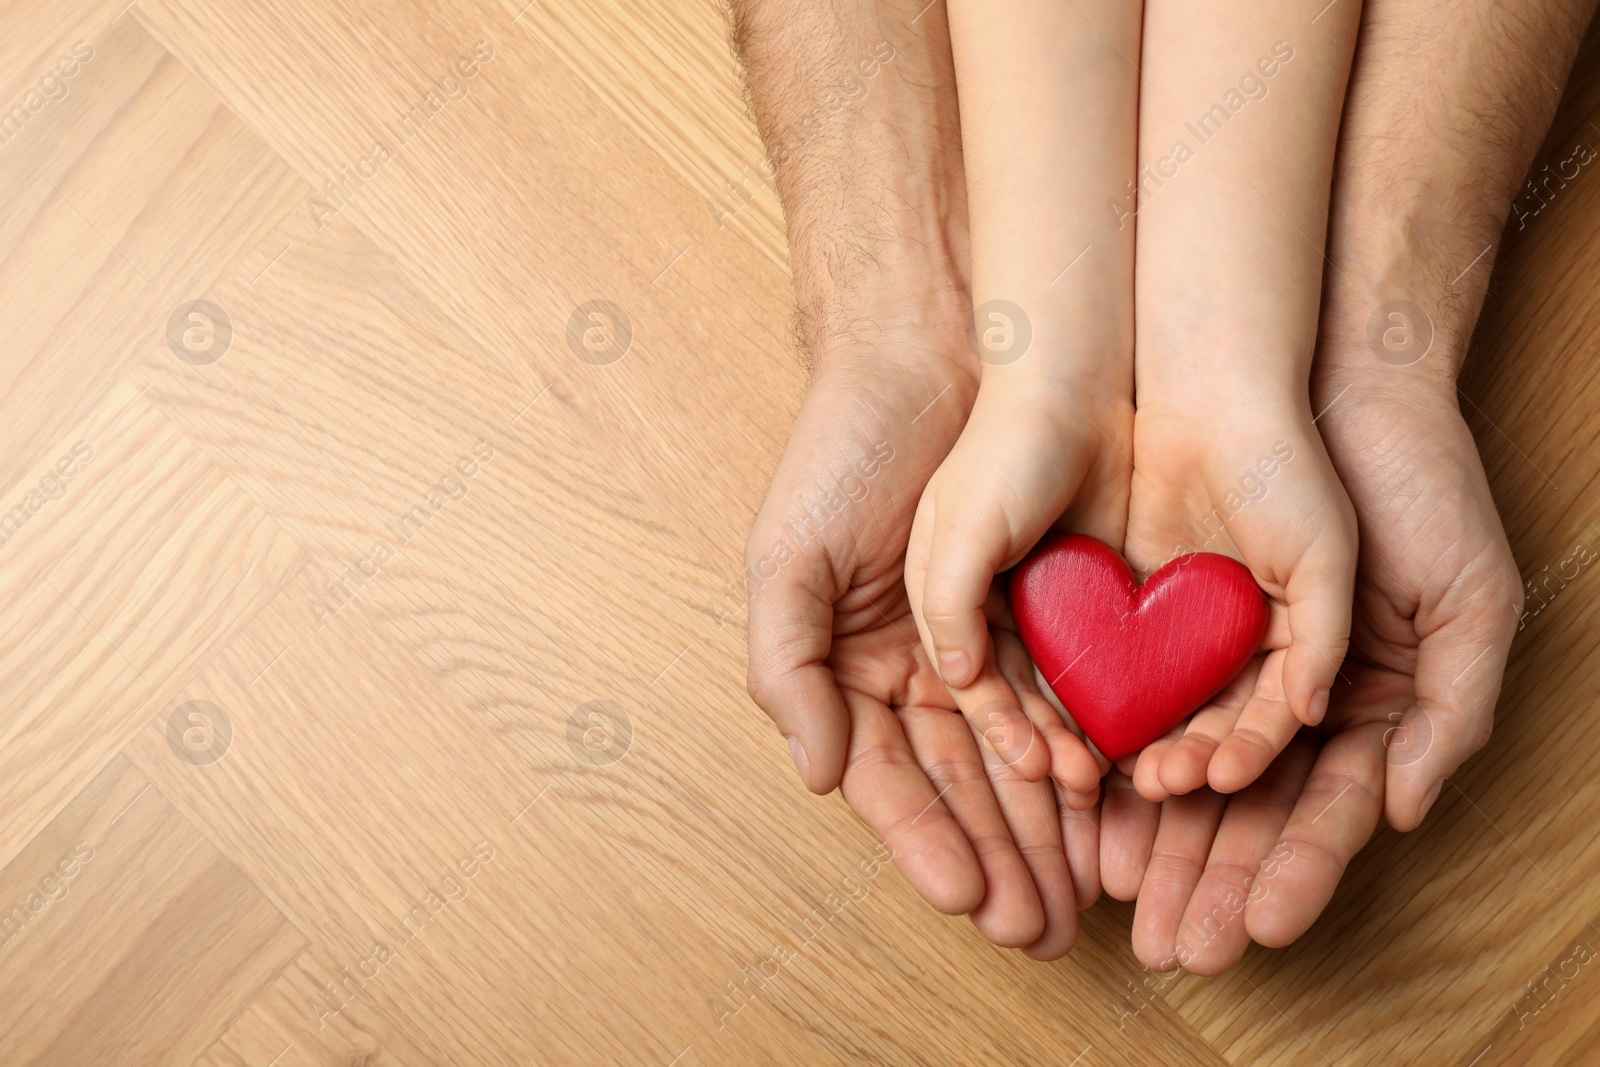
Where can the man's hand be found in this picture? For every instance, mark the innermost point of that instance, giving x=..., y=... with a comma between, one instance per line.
x=1437, y=601
x=874, y=200
x=1423, y=187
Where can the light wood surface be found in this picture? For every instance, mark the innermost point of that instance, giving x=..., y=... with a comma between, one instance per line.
x=373, y=693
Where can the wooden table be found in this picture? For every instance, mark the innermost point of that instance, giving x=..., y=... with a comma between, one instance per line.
x=371, y=632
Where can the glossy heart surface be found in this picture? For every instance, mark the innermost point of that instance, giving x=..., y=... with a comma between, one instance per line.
x=1130, y=661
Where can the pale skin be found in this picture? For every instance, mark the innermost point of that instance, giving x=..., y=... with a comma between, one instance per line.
x=1226, y=292
x=1242, y=113
x=1422, y=186
x=1049, y=104
x=876, y=210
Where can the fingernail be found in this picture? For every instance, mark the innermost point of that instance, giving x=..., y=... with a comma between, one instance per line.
x=802, y=762
x=1319, y=706
x=1427, y=801
x=954, y=667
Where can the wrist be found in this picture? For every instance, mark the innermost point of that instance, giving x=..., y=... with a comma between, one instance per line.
x=1056, y=414
x=1097, y=376
x=918, y=388
x=1406, y=298
x=1427, y=181
x=857, y=110
x=1080, y=334
x=877, y=313
x=1225, y=392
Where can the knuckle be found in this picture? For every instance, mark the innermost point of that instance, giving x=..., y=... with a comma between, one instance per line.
x=1505, y=587
x=907, y=823
x=1331, y=650
x=1254, y=739
x=1338, y=787
x=990, y=843
x=757, y=684
x=1173, y=870
x=1464, y=730
x=1484, y=589
x=1476, y=732
x=944, y=616
x=955, y=773
x=1313, y=853
x=880, y=754
x=1232, y=874
x=1040, y=854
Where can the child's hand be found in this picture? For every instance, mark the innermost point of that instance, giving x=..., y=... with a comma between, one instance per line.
x=1034, y=455
x=1232, y=206
x=1256, y=485
x=1049, y=97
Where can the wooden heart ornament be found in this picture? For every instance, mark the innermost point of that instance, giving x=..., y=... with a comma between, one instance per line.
x=1130, y=661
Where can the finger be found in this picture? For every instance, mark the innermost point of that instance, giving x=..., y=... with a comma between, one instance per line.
x=790, y=633
x=1033, y=817
x=1147, y=770
x=1181, y=765
x=1320, y=595
x=1071, y=762
x=1265, y=727
x=1242, y=865
x=1127, y=832
x=996, y=712
x=1183, y=841
x=1370, y=694
x=964, y=553
x=997, y=610
x=1010, y=912
x=1459, y=669
x=1080, y=839
x=887, y=788
x=1335, y=815
x=1040, y=686
x=1184, y=764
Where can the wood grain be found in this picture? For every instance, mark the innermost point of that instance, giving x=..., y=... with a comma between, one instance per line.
x=132, y=939
x=475, y=779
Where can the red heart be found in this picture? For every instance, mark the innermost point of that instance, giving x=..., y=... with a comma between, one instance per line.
x=1129, y=661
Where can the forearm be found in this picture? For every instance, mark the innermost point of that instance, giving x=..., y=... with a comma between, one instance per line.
x=1049, y=115
x=1440, y=129
x=1237, y=145
x=855, y=102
